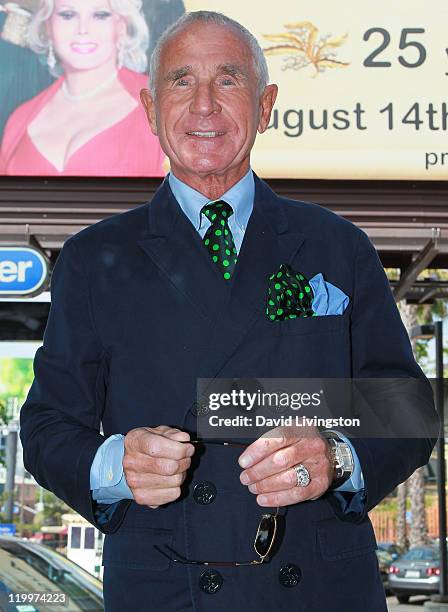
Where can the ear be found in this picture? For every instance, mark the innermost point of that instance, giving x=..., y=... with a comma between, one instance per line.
x=122, y=27
x=148, y=104
x=267, y=101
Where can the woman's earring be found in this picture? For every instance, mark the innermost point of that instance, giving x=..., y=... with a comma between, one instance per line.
x=51, y=58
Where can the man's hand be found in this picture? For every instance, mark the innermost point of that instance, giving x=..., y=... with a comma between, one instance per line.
x=155, y=463
x=270, y=461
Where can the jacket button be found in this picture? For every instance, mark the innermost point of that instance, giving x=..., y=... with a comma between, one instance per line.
x=210, y=581
x=200, y=409
x=289, y=575
x=204, y=492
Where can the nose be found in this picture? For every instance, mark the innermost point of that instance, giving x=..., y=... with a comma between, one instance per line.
x=82, y=24
x=204, y=100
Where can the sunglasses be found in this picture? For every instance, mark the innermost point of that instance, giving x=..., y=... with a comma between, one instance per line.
x=264, y=538
x=263, y=543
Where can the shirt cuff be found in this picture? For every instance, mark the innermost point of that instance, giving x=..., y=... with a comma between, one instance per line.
x=356, y=481
x=107, y=480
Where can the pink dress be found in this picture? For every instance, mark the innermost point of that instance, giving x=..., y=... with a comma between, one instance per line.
x=127, y=148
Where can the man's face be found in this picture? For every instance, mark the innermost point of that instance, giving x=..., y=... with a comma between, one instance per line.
x=208, y=107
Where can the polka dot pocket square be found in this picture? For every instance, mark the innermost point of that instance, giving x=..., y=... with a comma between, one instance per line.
x=292, y=295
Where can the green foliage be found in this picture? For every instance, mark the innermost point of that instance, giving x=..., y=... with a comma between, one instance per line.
x=53, y=510
x=389, y=503
x=4, y=420
x=4, y=416
x=27, y=529
x=16, y=377
x=3, y=497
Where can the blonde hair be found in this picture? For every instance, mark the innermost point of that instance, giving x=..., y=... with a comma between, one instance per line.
x=135, y=44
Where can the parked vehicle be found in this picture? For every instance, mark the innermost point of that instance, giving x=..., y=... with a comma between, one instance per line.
x=386, y=553
x=391, y=549
x=384, y=562
x=28, y=568
x=417, y=572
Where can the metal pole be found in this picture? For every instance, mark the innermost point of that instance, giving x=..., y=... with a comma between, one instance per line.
x=11, y=454
x=441, y=472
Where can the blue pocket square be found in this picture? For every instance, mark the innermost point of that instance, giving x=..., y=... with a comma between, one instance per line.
x=328, y=299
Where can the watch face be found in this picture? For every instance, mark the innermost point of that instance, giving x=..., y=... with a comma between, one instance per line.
x=344, y=456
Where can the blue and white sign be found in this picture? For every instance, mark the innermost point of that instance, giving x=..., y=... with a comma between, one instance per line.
x=7, y=529
x=23, y=270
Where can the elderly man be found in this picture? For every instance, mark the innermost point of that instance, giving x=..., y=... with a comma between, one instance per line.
x=147, y=302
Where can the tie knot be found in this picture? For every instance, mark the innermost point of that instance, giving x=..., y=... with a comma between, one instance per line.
x=217, y=210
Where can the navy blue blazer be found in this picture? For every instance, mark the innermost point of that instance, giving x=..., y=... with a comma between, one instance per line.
x=138, y=313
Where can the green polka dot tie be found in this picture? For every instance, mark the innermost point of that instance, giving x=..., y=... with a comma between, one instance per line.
x=289, y=295
x=218, y=239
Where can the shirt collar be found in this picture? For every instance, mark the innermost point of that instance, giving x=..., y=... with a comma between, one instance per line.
x=240, y=197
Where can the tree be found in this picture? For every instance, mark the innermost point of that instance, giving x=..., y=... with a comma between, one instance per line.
x=53, y=510
x=415, y=314
x=401, y=535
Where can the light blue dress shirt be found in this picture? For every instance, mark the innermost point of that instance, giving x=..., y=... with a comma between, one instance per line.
x=107, y=479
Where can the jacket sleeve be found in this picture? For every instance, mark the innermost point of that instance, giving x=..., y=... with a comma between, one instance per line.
x=60, y=419
x=381, y=349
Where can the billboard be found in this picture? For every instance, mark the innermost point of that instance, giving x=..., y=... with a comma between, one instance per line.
x=70, y=79
x=361, y=91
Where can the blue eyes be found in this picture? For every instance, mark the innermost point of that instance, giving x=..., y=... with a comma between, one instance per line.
x=68, y=15
x=102, y=14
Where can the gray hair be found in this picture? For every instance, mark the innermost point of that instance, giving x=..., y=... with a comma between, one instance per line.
x=205, y=17
x=135, y=44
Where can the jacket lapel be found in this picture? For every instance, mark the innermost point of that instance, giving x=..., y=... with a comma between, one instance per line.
x=176, y=248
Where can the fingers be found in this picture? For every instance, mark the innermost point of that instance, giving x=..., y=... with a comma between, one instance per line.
x=264, y=446
x=284, y=480
x=138, y=480
x=165, y=443
x=155, y=463
x=143, y=464
x=273, y=440
x=273, y=478
x=179, y=435
x=306, y=449
x=156, y=497
x=315, y=489
x=162, y=441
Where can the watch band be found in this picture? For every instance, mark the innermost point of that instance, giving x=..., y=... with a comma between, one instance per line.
x=341, y=453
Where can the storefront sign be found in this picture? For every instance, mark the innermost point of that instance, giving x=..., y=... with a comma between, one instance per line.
x=23, y=271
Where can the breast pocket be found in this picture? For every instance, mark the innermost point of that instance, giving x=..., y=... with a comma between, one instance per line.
x=133, y=548
x=313, y=325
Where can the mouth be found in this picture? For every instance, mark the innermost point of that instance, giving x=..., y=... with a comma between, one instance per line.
x=84, y=48
x=211, y=134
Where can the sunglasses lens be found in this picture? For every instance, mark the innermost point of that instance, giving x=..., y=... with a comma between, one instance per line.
x=265, y=535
